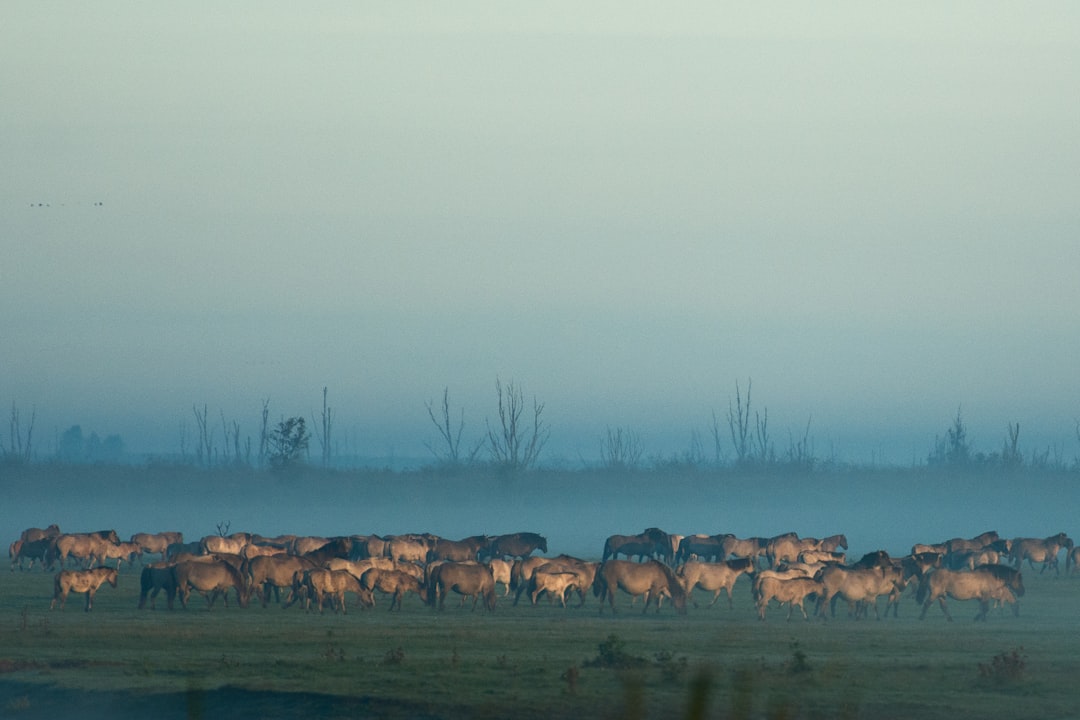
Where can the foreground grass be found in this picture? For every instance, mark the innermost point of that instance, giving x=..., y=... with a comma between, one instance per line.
x=537, y=662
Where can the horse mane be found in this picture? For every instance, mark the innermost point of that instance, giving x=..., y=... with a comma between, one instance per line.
x=740, y=563
x=674, y=585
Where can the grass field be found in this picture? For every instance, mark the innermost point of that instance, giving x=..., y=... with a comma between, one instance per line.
x=527, y=662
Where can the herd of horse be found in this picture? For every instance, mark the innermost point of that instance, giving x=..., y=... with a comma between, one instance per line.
x=316, y=572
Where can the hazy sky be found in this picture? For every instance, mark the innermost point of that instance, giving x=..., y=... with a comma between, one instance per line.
x=869, y=209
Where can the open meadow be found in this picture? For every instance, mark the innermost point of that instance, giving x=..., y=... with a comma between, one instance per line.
x=531, y=662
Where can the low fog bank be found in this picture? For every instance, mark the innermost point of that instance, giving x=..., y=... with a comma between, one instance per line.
x=576, y=511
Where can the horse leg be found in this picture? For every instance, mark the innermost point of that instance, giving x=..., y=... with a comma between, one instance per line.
x=945, y=609
x=984, y=608
x=89, y=599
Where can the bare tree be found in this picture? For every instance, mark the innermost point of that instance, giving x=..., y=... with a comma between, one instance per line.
x=450, y=435
x=1010, y=451
x=21, y=450
x=511, y=444
x=621, y=449
x=800, y=453
x=766, y=451
x=739, y=424
x=323, y=429
x=205, y=448
x=264, y=433
x=718, y=447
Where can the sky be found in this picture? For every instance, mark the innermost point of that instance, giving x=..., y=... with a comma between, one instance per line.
x=867, y=211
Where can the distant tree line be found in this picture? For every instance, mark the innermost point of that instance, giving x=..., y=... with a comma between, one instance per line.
x=512, y=441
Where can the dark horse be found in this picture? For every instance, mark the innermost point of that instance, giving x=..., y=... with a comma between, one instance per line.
x=517, y=545
x=654, y=542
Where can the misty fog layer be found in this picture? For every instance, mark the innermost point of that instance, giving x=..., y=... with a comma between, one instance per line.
x=887, y=510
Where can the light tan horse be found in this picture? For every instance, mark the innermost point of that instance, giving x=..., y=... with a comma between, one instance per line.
x=984, y=583
x=500, y=570
x=553, y=579
x=81, y=581
x=120, y=552
x=858, y=586
x=321, y=584
x=713, y=577
x=652, y=579
x=80, y=546
x=157, y=542
x=392, y=582
x=792, y=591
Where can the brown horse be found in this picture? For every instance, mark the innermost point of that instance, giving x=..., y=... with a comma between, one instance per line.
x=82, y=581
x=154, y=578
x=466, y=579
x=984, y=583
x=32, y=550
x=714, y=577
x=392, y=582
x=458, y=550
x=210, y=579
x=703, y=547
x=1043, y=551
x=753, y=548
x=517, y=545
x=32, y=534
x=652, y=579
x=650, y=544
x=270, y=573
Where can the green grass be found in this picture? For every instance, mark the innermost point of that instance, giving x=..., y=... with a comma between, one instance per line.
x=538, y=662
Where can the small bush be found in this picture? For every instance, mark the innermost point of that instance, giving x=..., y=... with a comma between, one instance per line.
x=611, y=654
x=394, y=657
x=1005, y=667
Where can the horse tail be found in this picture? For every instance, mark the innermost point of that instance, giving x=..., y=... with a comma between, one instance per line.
x=599, y=587
x=608, y=552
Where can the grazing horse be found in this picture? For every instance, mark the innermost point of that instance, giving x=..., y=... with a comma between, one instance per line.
x=391, y=582
x=984, y=583
x=211, y=579
x=321, y=583
x=517, y=545
x=652, y=579
x=82, y=581
x=409, y=548
x=1043, y=551
x=714, y=577
x=466, y=579
x=646, y=546
x=792, y=591
x=554, y=579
